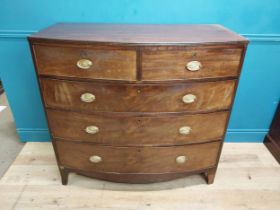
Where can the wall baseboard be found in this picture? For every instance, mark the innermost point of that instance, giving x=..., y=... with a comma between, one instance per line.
x=33, y=135
x=245, y=135
x=233, y=135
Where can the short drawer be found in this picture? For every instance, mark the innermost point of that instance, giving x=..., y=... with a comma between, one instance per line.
x=85, y=62
x=137, y=130
x=200, y=63
x=184, y=97
x=93, y=158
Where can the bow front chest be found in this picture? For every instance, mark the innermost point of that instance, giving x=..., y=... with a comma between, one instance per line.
x=137, y=103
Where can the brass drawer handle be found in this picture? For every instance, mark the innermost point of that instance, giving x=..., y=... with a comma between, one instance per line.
x=189, y=98
x=181, y=159
x=185, y=130
x=87, y=97
x=92, y=129
x=95, y=159
x=193, y=66
x=84, y=63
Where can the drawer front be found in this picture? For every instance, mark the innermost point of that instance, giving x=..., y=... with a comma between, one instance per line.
x=86, y=63
x=124, y=130
x=191, y=97
x=190, y=64
x=93, y=158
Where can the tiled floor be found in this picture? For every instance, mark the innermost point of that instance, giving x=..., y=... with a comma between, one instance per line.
x=9, y=142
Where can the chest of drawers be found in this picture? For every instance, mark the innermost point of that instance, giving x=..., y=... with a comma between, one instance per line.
x=137, y=103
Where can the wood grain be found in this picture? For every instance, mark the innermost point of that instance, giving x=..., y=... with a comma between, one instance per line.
x=171, y=64
x=138, y=79
x=106, y=64
x=136, y=130
x=172, y=34
x=137, y=159
x=137, y=98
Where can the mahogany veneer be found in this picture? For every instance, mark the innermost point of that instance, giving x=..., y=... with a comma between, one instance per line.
x=210, y=96
x=163, y=65
x=107, y=64
x=117, y=129
x=137, y=103
x=137, y=159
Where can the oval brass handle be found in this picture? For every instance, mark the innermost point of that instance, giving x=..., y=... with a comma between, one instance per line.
x=92, y=129
x=193, y=66
x=87, y=97
x=189, y=98
x=185, y=130
x=95, y=159
x=84, y=63
x=181, y=159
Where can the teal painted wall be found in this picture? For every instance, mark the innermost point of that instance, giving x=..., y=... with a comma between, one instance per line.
x=259, y=21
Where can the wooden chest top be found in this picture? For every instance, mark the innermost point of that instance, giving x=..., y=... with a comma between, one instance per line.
x=135, y=34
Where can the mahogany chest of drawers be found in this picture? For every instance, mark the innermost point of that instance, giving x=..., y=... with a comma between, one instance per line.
x=137, y=103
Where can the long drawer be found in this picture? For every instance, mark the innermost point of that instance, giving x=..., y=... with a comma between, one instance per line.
x=104, y=97
x=137, y=130
x=190, y=63
x=92, y=158
x=93, y=63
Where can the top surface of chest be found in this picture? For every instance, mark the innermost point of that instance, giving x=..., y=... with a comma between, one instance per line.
x=138, y=34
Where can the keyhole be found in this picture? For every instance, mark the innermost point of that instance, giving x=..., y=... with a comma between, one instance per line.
x=139, y=123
